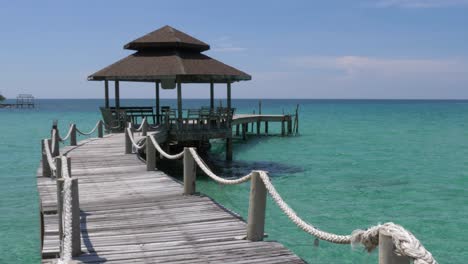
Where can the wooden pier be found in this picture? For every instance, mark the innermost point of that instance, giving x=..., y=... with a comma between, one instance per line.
x=131, y=215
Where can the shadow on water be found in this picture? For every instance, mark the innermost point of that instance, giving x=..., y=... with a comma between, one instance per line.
x=230, y=169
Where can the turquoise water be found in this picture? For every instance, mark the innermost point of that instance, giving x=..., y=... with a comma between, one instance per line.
x=355, y=164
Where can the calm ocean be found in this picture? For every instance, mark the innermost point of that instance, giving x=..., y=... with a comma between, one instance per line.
x=355, y=164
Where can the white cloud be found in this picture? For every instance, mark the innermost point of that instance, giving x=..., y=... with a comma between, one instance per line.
x=225, y=44
x=419, y=3
x=358, y=66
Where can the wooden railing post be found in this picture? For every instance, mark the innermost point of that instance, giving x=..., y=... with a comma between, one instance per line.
x=144, y=129
x=257, y=205
x=128, y=142
x=387, y=251
x=56, y=151
x=100, y=129
x=76, y=231
x=150, y=155
x=46, y=171
x=58, y=166
x=73, y=135
x=59, y=183
x=190, y=173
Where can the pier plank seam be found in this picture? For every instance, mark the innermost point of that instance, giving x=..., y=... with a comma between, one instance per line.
x=129, y=214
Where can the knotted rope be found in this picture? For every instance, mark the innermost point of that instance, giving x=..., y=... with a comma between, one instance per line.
x=90, y=132
x=165, y=154
x=66, y=252
x=135, y=145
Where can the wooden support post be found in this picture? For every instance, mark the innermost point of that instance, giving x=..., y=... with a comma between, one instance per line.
x=283, y=130
x=257, y=206
x=211, y=95
x=244, y=131
x=150, y=155
x=46, y=171
x=289, y=125
x=117, y=96
x=128, y=142
x=237, y=130
x=100, y=129
x=266, y=128
x=58, y=166
x=59, y=183
x=75, y=210
x=229, y=148
x=73, y=135
x=190, y=173
x=144, y=129
x=258, y=127
x=106, y=93
x=179, y=103
x=387, y=251
x=158, y=115
x=56, y=151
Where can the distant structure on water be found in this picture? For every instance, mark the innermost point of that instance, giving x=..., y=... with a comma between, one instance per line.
x=22, y=101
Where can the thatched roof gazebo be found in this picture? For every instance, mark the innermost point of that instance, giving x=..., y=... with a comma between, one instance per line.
x=169, y=57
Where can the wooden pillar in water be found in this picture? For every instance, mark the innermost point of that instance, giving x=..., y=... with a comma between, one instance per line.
x=237, y=130
x=283, y=130
x=244, y=131
x=289, y=125
x=158, y=118
x=229, y=148
x=228, y=123
x=266, y=128
x=257, y=206
x=106, y=93
x=258, y=127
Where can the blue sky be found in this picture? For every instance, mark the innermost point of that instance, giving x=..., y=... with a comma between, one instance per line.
x=293, y=49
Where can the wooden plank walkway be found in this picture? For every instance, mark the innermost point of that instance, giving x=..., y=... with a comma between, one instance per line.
x=130, y=215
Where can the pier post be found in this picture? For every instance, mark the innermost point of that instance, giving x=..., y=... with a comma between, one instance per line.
x=387, y=251
x=289, y=125
x=237, y=130
x=258, y=127
x=257, y=205
x=55, y=138
x=59, y=183
x=244, y=131
x=283, y=130
x=76, y=232
x=46, y=171
x=190, y=173
x=150, y=155
x=266, y=128
x=73, y=135
x=128, y=143
x=58, y=166
x=100, y=129
x=144, y=129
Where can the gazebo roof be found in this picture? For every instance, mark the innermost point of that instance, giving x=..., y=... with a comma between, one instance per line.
x=167, y=37
x=168, y=53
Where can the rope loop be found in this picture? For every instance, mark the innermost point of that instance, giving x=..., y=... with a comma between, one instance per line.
x=135, y=145
x=90, y=132
x=165, y=154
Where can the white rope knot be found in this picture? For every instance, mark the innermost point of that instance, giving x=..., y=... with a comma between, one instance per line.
x=406, y=244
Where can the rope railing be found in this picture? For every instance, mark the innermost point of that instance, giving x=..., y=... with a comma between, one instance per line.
x=129, y=135
x=162, y=152
x=91, y=131
x=404, y=245
x=69, y=133
x=66, y=247
x=143, y=123
x=48, y=156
